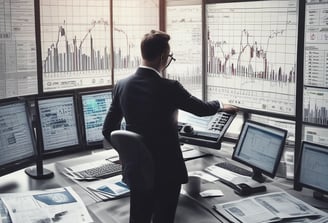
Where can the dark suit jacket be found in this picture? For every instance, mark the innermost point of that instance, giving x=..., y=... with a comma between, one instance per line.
x=149, y=104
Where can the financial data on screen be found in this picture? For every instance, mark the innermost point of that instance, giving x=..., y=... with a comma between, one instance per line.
x=18, y=66
x=131, y=20
x=184, y=24
x=95, y=107
x=251, y=57
x=315, y=134
x=58, y=123
x=75, y=39
x=262, y=151
x=16, y=134
x=315, y=99
x=260, y=146
x=313, y=166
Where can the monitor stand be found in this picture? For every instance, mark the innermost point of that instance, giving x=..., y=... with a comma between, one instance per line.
x=38, y=172
x=320, y=196
x=257, y=176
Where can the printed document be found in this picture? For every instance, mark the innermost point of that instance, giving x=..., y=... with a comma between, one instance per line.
x=271, y=207
x=56, y=205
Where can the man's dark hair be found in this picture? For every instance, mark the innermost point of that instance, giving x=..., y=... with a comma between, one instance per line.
x=154, y=44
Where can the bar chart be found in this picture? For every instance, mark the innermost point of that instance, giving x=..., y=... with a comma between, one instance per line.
x=75, y=43
x=315, y=104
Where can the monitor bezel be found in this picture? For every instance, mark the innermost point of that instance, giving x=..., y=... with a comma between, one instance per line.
x=26, y=161
x=60, y=150
x=257, y=169
x=297, y=180
x=95, y=144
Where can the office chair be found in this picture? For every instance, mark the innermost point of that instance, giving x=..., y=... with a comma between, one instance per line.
x=137, y=162
x=138, y=172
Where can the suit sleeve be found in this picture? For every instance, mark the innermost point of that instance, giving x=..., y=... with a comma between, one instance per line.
x=114, y=115
x=192, y=104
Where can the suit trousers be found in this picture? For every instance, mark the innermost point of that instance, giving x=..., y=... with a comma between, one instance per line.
x=156, y=206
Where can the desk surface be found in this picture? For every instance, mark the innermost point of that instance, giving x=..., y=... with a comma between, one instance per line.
x=190, y=208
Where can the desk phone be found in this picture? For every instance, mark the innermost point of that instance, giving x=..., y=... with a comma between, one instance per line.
x=204, y=131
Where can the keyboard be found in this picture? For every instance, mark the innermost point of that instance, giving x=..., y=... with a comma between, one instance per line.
x=234, y=168
x=228, y=177
x=221, y=173
x=96, y=169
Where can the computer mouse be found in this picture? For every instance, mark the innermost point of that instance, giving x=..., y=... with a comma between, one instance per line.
x=243, y=189
x=188, y=129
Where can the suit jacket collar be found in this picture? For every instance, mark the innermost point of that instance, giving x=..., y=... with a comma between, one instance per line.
x=151, y=70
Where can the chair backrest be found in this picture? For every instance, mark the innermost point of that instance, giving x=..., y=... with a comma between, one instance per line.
x=137, y=162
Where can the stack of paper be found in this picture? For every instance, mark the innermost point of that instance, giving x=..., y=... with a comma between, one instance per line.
x=55, y=205
x=109, y=188
x=271, y=207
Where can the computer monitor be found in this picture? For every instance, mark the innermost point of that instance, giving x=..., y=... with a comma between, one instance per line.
x=58, y=124
x=95, y=105
x=260, y=147
x=312, y=169
x=17, y=139
x=206, y=131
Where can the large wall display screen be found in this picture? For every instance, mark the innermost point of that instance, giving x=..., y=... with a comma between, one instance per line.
x=75, y=39
x=252, y=54
x=18, y=71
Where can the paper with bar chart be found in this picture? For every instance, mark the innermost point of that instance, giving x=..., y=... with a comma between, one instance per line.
x=252, y=54
x=75, y=38
x=18, y=71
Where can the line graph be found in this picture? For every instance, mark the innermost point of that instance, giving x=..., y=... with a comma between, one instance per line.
x=252, y=54
x=75, y=44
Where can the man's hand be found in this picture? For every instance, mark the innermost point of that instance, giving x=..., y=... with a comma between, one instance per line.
x=230, y=108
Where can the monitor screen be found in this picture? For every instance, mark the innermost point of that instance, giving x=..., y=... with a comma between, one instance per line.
x=17, y=140
x=313, y=166
x=204, y=131
x=95, y=106
x=58, y=123
x=260, y=147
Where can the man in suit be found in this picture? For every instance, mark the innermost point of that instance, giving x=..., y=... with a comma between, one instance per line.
x=149, y=103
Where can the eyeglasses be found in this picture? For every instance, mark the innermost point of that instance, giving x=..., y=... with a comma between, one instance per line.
x=171, y=58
